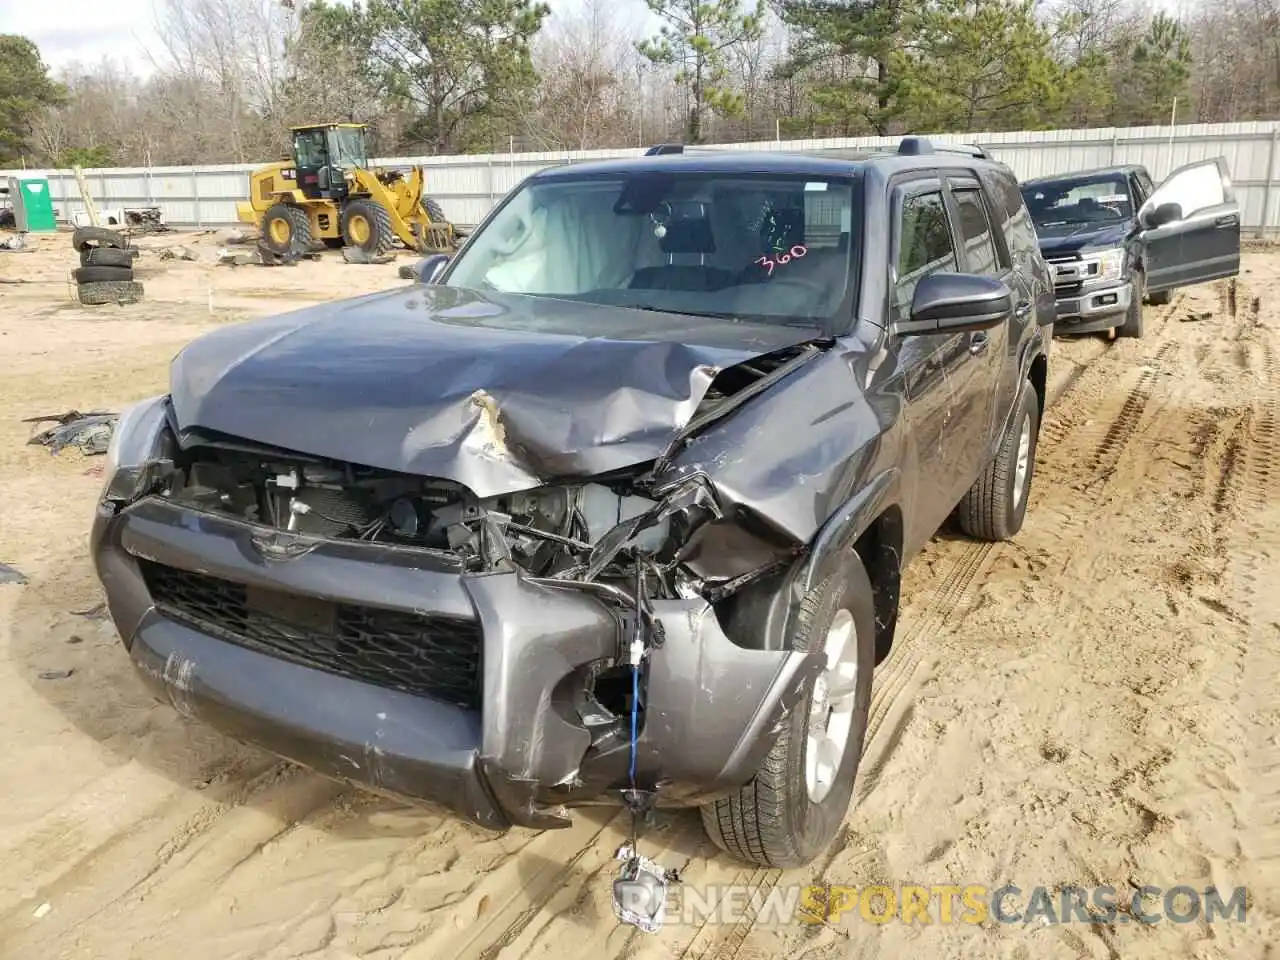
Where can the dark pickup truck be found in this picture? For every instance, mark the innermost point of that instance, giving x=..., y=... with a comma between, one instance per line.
x=614, y=507
x=1114, y=239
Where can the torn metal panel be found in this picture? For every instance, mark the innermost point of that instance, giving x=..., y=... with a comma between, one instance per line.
x=713, y=708
x=795, y=458
x=418, y=380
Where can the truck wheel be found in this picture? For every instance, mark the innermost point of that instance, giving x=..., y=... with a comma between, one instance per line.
x=96, y=274
x=97, y=237
x=286, y=230
x=109, y=291
x=1132, y=326
x=994, y=507
x=108, y=257
x=367, y=225
x=790, y=811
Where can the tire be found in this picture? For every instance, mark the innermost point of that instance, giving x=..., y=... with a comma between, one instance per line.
x=103, y=274
x=995, y=506
x=286, y=230
x=1160, y=299
x=1132, y=326
x=367, y=225
x=434, y=211
x=98, y=237
x=108, y=257
x=96, y=294
x=773, y=821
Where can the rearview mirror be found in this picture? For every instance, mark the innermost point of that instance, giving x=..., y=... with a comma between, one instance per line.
x=956, y=302
x=1153, y=217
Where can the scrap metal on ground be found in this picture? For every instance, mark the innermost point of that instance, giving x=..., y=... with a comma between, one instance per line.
x=91, y=432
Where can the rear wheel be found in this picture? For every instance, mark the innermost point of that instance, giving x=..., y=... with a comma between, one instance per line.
x=995, y=506
x=790, y=811
x=367, y=225
x=286, y=230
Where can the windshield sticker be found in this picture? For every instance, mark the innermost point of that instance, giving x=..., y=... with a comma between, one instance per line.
x=795, y=253
x=815, y=185
x=1114, y=198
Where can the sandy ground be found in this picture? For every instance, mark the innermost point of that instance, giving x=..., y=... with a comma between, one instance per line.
x=1093, y=703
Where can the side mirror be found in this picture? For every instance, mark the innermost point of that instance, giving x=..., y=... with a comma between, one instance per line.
x=1152, y=217
x=957, y=302
x=427, y=269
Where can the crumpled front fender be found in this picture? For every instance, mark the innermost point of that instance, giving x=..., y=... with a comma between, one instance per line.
x=714, y=709
x=534, y=636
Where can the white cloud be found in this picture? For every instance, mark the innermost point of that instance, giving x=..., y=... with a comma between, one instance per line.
x=67, y=31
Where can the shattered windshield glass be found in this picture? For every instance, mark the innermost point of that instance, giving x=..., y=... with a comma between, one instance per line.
x=1082, y=200
x=768, y=248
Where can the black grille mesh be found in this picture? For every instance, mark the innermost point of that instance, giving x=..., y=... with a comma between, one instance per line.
x=424, y=655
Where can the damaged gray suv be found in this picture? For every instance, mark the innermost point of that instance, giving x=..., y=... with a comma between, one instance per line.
x=614, y=508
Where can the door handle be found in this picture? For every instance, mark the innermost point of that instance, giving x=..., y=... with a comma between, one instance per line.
x=1229, y=220
x=1022, y=309
x=978, y=342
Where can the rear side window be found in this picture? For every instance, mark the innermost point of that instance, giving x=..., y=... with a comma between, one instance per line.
x=975, y=232
x=1019, y=231
x=924, y=246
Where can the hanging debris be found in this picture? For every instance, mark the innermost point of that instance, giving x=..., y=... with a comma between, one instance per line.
x=91, y=432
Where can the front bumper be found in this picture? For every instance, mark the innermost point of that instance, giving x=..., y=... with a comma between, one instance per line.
x=526, y=749
x=1091, y=310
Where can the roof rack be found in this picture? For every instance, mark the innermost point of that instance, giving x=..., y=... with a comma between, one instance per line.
x=909, y=146
x=913, y=146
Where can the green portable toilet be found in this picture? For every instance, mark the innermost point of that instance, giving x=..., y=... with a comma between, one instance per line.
x=32, y=205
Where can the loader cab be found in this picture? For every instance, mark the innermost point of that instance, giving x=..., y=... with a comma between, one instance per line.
x=325, y=157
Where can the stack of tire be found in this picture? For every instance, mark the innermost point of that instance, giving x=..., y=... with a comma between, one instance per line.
x=105, y=274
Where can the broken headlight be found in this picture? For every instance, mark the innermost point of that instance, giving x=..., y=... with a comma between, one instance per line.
x=137, y=442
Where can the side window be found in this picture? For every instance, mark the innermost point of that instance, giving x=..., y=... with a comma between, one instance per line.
x=1144, y=181
x=1193, y=188
x=924, y=246
x=975, y=232
x=1019, y=231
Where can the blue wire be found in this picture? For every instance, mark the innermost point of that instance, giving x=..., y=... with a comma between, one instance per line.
x=635, y=717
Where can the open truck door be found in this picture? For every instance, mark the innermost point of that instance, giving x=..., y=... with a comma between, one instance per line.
x=1190, y=227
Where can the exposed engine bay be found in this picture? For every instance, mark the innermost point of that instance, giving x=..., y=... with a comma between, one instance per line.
x=548, y=532
x=637, y=534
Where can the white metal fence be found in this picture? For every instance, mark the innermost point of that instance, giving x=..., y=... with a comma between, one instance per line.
x=468, y=186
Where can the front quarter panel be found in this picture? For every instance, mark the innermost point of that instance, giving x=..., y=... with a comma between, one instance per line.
x=796, y=454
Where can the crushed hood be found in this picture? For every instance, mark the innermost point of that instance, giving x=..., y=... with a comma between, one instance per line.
x=497, y=392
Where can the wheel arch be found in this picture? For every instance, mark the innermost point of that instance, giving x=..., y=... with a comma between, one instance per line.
x=870, y=524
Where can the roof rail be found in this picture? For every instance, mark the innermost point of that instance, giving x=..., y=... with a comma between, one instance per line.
x=662, y=149
x=913, y=146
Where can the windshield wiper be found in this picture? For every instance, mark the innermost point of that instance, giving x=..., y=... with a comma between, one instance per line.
x=806, y=322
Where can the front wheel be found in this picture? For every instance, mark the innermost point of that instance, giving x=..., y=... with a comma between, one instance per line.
x=790, y=811
x=1132, y=326
x=995, y=506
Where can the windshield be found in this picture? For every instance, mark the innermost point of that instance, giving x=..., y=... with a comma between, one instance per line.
x=348, y=150
x=1081, y=200
x=768, y=248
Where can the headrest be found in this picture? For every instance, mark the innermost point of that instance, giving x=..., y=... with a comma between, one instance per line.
x=691, y=235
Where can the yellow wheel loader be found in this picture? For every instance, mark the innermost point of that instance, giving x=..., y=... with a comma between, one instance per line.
x=326, y=193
